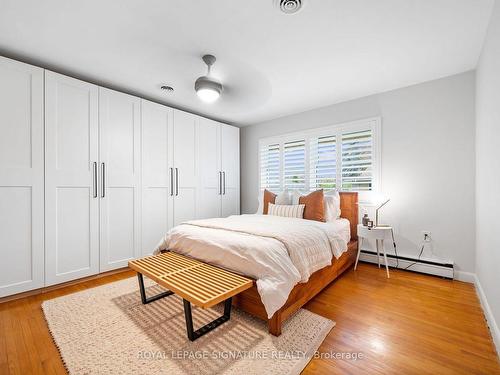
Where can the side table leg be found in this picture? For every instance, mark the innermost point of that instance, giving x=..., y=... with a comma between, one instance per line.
x=385, y=259
x=360, y=244
x=378, y=253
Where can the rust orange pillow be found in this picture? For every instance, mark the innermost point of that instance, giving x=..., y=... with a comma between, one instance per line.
x=268, y=198
x=315, y=209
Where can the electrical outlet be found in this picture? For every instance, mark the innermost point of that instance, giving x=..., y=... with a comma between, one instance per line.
x=426, y=236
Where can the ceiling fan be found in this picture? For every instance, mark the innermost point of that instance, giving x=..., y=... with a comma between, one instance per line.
x=208, y=88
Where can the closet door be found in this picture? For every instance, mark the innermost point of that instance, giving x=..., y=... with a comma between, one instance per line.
x=71, y=203
x=119, y=129
x=185, y=157
x=157, y=188
x=210, y=169
x=230, y=156
x=21, y=177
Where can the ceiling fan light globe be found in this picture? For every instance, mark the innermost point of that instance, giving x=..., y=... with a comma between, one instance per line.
x=208, y=95
x=207, y=89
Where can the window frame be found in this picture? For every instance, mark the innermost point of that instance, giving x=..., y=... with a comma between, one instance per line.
x=374, y=124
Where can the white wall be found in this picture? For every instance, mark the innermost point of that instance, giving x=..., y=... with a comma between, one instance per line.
x=488, y=172
x=428, y=161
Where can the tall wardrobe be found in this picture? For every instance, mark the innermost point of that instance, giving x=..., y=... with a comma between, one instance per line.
x=91, y=178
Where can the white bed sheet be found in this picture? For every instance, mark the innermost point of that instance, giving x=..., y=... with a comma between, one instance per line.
x=233, y=244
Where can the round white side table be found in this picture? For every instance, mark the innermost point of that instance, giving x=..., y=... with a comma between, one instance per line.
x=379, y=234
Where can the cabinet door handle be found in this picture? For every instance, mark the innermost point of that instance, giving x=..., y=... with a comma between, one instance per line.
x=103, y=180
x=171, y=181
x=224, y=183
x=94, y=178
x=176, y=182
x=219, y=183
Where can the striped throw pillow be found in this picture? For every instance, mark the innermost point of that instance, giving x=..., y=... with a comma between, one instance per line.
x=286, y=210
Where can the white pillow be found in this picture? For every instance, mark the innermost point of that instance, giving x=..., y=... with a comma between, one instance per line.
x=331, y=203
x=286, y=210
x=296, y=194
x=283, y=197
x=260, y=209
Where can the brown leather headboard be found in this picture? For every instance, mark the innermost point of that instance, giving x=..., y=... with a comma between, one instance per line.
x=349, y=211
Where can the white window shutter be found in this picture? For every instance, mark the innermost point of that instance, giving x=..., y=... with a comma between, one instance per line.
x=270, y=167
x=294, y=165
x=357, y=161
x=323, y=163
x=345, y=157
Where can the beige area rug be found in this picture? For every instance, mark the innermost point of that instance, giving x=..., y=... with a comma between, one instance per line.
x=107, y=330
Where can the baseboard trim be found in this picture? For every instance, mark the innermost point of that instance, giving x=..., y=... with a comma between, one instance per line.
x=466, y=277
x=402, y=262
x=47, y=289
x=490, y=319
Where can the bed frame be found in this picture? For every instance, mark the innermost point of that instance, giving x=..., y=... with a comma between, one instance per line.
x=249, y=300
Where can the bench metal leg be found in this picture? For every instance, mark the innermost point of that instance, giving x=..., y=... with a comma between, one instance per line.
x=193, y=335
x=145, y=299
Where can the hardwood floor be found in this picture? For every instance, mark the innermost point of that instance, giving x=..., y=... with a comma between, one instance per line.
x=408, y=324
x=26, y=346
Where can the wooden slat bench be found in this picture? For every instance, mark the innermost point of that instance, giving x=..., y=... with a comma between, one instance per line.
x=196, y=282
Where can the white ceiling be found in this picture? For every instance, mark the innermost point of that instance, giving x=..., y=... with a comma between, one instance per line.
x=270, y=64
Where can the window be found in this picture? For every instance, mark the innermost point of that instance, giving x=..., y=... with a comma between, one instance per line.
x=343, y=157
x=357, y=169
x=323, y=163
x=270, y=167
x=294, y=165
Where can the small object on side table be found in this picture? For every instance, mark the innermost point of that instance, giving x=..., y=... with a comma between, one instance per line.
x=379, y=234
x=365, y=220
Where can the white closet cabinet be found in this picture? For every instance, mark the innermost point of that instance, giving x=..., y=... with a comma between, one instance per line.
x=210, y=191
x=230, y=166
x=120, y=178
x=170, y=185
x=184, y=174
x=21, y=177
x=71, y=194
x=91, y=178
x=185, y=166
x=157, y=174
x=219, y=157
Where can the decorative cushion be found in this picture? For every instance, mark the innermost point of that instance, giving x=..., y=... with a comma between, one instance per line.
x=314, y=203
x=286, y=210
x=281, y=198
x=268, y=198
x=331, y=203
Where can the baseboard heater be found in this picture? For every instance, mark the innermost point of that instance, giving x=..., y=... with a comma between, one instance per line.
x=429, y=266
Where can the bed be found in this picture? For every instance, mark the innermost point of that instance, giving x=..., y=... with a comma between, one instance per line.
x=291, y=260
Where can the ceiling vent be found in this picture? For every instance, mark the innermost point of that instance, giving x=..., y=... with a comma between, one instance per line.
x=289, y=6
x=167, y=88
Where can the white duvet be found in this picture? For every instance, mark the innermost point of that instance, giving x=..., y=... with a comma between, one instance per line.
x=277, y=252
